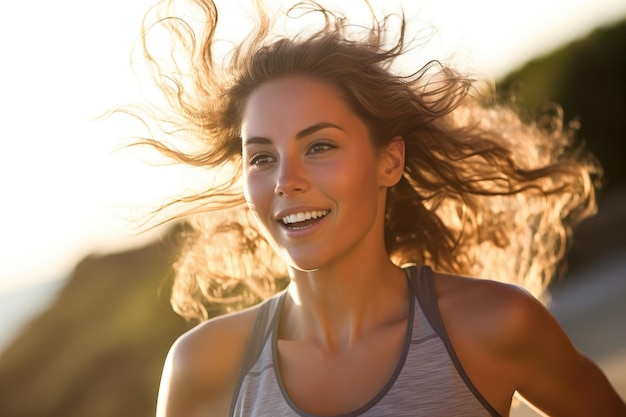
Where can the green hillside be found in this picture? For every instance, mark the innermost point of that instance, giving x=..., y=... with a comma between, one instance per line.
x=99, y=349
x=588, y=79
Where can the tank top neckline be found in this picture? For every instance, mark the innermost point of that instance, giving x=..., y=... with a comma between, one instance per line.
x=392, y=378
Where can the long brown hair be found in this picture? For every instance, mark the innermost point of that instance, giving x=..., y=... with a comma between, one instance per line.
x=483, y=193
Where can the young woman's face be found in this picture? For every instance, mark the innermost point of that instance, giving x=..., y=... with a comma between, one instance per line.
x=311, y=174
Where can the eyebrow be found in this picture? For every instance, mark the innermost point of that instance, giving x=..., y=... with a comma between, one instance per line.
x=301, y=134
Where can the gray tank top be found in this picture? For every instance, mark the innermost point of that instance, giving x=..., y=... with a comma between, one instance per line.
x=428, y=380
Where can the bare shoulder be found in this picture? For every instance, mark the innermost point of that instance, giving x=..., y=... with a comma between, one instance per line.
x=500, y=322
x=508, y=341
x=493, y=311
x=214, y=346
x=203, y=365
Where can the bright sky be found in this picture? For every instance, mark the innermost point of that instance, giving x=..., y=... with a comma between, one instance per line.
x=65, y=193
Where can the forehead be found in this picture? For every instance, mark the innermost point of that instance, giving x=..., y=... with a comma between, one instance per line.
x=291, y=103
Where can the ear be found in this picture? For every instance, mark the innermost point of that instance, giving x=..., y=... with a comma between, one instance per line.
x=391, y=162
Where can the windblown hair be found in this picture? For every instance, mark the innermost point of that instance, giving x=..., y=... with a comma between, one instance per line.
x=484, y=193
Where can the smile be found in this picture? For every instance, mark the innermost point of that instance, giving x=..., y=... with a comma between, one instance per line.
x=303, y=218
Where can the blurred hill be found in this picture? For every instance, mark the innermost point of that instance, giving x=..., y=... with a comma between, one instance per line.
x=99, y=349
x=588, y=79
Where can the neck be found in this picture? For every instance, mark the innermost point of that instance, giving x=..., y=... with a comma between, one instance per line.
x=337, y=305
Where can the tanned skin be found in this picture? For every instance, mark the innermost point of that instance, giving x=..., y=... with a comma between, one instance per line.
x=347, y=303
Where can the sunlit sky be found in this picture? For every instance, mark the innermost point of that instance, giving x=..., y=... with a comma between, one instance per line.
x=66, y=193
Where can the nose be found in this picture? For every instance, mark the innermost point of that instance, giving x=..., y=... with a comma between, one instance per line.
x=291, y=178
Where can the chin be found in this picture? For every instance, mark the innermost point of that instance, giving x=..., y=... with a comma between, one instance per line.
x=304, y=266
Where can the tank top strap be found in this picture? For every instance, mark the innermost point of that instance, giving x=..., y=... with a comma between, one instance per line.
x=266, y=321
x=421, y=278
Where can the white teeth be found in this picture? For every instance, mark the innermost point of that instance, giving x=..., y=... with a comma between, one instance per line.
x=305, y=215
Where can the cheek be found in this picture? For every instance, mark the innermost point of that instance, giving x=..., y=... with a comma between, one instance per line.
x=247, y=187
x=357, y=179
x=256, y=194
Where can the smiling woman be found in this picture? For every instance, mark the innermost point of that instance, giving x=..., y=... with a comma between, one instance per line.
x=372, y=192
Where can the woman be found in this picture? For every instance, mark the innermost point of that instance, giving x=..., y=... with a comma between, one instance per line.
x=361, y=180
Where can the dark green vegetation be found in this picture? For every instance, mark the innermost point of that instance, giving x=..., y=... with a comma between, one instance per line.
x=99, y=349
x=588, y=79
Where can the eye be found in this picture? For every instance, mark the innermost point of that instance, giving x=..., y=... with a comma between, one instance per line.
x=320, y=147
x=259, y=159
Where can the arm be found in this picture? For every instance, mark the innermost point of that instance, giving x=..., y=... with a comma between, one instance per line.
x=553, y=375
x=202, y=368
